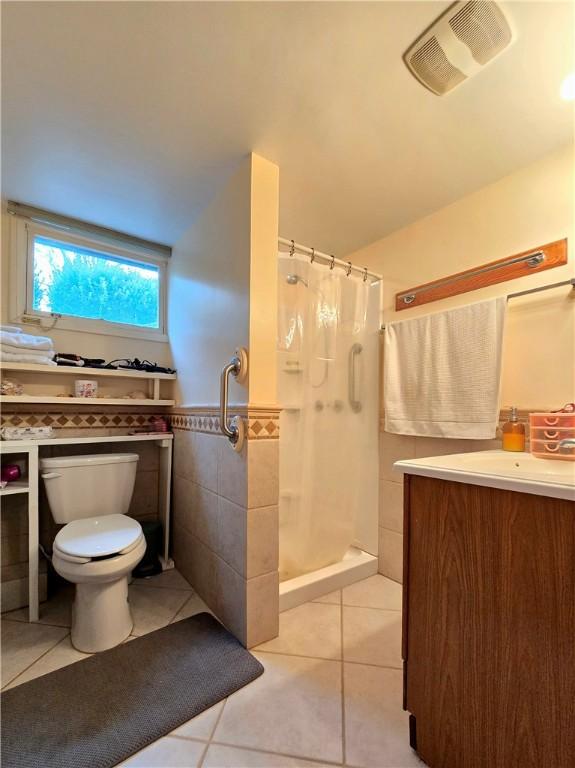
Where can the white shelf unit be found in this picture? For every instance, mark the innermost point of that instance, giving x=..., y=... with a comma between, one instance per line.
x=41, y=399
x=18, y=486
x=28, y=485
x=33, y=376
x=31, y=449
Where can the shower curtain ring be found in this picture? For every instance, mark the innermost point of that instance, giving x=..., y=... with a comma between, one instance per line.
x=292, y=248
x=332, y=265
x=312, y=255
x=348, y=270
x=365, y=274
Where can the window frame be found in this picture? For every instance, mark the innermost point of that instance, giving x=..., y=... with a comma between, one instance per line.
x=22, y=280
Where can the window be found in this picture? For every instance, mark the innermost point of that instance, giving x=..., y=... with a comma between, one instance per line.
x=90, y=283
x=70, y=280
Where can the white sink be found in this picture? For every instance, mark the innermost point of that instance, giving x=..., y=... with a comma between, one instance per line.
x=499, y=469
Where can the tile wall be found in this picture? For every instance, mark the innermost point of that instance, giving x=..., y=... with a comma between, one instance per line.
x=394, y=448
x=225, y=528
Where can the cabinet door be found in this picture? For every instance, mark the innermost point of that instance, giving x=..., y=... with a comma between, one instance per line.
x=490, y=629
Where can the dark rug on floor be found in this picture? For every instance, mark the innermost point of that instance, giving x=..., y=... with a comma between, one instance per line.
x=99, y=711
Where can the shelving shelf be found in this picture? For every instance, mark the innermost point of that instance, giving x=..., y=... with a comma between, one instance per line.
x=91, y=401
x=85, y=372
x=18, y=486
x=153, y=379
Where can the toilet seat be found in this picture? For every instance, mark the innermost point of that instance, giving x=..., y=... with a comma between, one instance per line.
x=82, y=560
x=98, y=537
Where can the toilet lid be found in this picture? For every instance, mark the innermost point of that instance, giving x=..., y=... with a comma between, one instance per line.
x=98, y=536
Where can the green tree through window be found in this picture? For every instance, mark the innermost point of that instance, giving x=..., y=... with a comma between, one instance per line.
x=82, y=283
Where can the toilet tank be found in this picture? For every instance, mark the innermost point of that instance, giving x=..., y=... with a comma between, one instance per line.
x=89, y=486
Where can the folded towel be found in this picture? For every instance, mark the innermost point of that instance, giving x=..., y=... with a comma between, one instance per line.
x=10, y=328
x=25, y=356
x=443, y=372
x=25, y=351
x=26, y=341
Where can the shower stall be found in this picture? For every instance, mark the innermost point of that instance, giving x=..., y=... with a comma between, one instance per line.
x=328, y=359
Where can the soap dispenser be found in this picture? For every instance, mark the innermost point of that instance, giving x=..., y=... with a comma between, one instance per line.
x=513, y=433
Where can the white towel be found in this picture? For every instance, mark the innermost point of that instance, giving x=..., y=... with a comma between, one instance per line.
x=25, y=351
x=25, y=356
x=26, y=340
x=443, y=372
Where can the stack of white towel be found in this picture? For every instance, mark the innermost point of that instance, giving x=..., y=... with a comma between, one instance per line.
x=19, y=347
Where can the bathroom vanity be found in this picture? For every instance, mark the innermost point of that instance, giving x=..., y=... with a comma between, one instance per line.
x=489, y=610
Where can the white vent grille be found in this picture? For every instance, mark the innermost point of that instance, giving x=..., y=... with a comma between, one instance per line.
x=458, y=45
x=483, y=28
x=433, y=67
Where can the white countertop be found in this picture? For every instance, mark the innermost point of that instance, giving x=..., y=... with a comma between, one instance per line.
x=509, y=471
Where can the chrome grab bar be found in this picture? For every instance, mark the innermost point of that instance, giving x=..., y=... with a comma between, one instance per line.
x=237, y=367
x=355, y=350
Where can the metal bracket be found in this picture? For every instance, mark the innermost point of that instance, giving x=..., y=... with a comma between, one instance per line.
x=235, y=429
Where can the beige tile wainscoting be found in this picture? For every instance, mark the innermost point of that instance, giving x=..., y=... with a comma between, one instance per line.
x=394, y=448
x=225, y=518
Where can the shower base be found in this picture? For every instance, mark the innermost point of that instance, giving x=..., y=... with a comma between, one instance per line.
x=356, y=565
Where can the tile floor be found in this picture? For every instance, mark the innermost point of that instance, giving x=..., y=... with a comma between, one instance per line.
x=330, y=695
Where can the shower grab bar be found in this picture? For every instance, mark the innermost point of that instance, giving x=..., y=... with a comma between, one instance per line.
x=355, y=350
x=234, y=431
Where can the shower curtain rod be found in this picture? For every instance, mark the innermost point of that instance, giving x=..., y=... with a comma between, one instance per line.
x=329, y=259
x=570, y=282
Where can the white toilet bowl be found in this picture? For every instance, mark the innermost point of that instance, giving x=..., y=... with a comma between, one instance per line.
x=101, y=616
x=98, y=546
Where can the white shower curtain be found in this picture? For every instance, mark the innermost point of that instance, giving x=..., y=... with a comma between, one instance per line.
x=328, y=428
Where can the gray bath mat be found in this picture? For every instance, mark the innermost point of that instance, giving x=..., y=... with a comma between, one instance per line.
x=99, y=711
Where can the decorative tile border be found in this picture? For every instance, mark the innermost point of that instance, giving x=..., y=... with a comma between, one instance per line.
x=261, y=424
x=76, y=419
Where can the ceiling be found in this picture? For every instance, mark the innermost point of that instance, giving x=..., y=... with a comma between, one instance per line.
x=131, y=114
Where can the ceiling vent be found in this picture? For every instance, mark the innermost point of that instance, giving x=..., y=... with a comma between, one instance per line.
x=456, y=46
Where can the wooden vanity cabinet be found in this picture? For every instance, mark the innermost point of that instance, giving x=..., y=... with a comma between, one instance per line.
x=489, y=626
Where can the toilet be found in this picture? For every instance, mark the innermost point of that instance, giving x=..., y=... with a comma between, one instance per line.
x=99, y=545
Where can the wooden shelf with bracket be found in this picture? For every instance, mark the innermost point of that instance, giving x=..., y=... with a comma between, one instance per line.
x=521, y=264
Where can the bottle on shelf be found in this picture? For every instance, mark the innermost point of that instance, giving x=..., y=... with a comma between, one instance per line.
x=513, y=433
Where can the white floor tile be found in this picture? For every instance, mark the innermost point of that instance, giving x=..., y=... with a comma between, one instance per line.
x=23, y=644
x=334, y=598
x=60, y=656
x=219, y=756
x=57, y=611
x=372, y=636
x=193, y=605
x=202, y=726
x=171, y=579
x=311, y=629
x=376, y=727
x=375, y=592
x=293, y=708
x=154, y=608
x=167, y=753
x=290, y=715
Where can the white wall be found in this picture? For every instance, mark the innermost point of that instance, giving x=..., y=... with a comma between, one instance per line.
x=222, y=289
x=528, y=208
x=263, y=282
x=77, y=342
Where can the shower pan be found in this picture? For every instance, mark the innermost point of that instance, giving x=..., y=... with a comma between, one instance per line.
x=328, y=393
